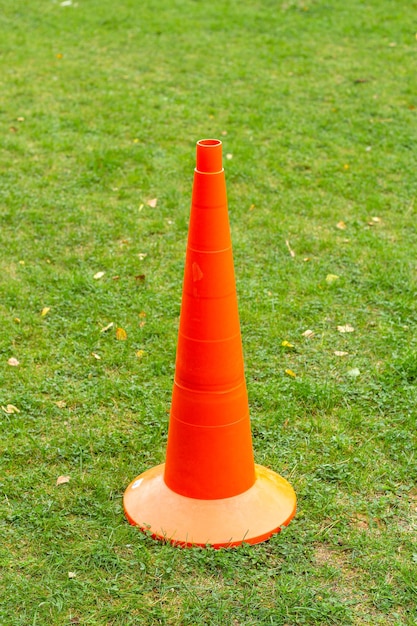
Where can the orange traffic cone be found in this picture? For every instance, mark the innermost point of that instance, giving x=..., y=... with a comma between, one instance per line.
x=209, y=491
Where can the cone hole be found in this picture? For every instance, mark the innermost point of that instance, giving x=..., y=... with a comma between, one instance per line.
x=209, y=156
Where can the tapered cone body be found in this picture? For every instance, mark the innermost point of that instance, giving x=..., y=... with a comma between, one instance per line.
x=209, y=491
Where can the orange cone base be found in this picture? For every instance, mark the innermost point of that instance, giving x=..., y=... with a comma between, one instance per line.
x=250, y=517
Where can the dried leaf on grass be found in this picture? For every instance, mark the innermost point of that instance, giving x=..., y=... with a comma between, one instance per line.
x=331, y=278
x=340, y=353
x=308, y=333
x=13, y=362
x=62, y=480
x=106, y=328
x=45, y=310
x=346, y=328
x=291, y=373
x=152, y=203
x=121, y=334
x=10, y=409
x=354, y=372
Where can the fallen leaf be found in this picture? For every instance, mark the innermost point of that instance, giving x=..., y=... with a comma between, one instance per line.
x=354, y=372
x=229, y=156
x=290, y=250
x=341, y=225
x=347, y=328
x=308, y=333
x=140, y=278
x=331, y=278
x=142, y=255
x=142, y=314
x=140, y=353
x=291, y=373
x=287, y=344
x=72, y=575
x=121, y=334
x=152, y=203
x=61, y=404
x=10, y=409
x=17, y=320
x=96, y=356
x=98, y=275
x=346, y=166
x=45, y=310
x=340, y=353
x=62, y=480
x=20, y=119
x=106, y=328
x=13, y=362
x=142, y=324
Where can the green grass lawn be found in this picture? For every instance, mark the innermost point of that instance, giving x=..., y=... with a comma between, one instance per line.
x=101, y=104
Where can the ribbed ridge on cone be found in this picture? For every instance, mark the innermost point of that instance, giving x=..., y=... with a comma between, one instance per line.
x=209, y=452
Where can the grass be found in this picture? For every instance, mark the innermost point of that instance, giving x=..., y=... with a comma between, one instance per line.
x=100, y=109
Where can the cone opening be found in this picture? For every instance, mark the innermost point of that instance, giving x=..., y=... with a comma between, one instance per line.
x=209, y=156
x=209, y=142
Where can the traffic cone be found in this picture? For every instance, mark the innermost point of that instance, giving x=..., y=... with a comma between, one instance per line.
x=209, y=491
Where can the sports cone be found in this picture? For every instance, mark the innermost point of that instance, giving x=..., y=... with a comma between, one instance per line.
x=209, y=491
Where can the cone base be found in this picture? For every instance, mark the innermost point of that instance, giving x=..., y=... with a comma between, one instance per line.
x=250, y=517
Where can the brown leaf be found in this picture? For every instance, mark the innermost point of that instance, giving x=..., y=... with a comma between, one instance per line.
x=121, y=334
x=140, y=278
x=62, y=480
x=341, y=225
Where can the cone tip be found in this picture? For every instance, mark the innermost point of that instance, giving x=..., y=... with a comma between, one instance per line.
x=209, y=156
